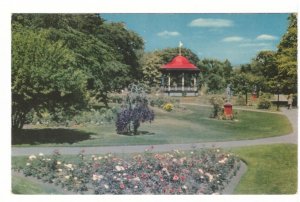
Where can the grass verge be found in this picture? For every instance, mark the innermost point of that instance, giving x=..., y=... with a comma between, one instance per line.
x=272, y=169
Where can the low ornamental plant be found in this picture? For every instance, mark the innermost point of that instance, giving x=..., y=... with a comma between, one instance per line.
x=168, y=107
x=177, y=172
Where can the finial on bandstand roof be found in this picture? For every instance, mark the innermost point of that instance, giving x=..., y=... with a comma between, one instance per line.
x=180, y=45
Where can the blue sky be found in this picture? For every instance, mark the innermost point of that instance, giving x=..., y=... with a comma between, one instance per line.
x=236, y=37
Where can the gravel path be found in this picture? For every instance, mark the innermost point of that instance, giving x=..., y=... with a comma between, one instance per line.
x=291, y=138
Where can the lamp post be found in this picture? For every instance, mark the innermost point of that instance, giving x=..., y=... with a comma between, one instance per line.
x=278, y=86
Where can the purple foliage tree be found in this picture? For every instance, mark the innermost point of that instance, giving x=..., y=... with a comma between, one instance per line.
x=134, y=111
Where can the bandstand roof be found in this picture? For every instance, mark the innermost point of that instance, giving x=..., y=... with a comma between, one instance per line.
x=179, y=63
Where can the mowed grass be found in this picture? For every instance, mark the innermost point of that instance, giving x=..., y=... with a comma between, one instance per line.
x=181, y=126
x=23, y=185
x=272, y=169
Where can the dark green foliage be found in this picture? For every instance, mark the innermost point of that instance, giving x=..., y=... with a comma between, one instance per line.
x=216, y=74
x=61, y=60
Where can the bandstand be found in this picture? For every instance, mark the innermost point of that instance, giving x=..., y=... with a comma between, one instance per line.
x=180, y=77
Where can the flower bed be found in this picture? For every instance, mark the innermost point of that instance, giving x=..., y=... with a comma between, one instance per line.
x=178, y=172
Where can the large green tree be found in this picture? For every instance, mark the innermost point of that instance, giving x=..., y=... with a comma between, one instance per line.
x=151, y=64
x=216, y=74
x=43, y=75
x=108, y=53
x=287, y=57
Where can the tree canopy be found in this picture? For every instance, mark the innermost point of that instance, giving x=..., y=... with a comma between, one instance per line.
x=77, y=54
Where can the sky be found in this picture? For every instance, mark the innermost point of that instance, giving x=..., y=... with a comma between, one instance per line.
x=236, y=37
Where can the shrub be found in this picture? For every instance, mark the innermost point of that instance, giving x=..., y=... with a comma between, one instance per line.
x=134, y=111
x=264, y=103
x=217, y=103
x=168, y=107
x=240, y=100
x=178, y=172
x=159, y=101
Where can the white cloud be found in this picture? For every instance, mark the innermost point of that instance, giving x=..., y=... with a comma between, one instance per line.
x=266, y=37
x=210, y=22
x=168, y=34
x=233, y=39
x=254, y=45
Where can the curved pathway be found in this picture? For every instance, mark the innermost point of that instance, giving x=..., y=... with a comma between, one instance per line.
x=292, y=115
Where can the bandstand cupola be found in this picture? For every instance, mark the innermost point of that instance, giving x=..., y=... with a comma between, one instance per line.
x=180, y=77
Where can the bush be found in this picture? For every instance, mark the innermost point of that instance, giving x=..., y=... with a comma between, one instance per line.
x=168, y=107
x=195, y=172
x=240, y=100
x=264, y=103
x=134, y=111
x=160, y=101
x=217, y=103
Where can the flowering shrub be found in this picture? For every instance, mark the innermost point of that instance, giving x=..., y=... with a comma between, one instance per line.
x=177, y=172
x=168, y=107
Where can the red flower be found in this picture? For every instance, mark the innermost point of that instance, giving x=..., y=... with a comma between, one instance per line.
x=175, y=178
x=122, y=186
x=182, y=178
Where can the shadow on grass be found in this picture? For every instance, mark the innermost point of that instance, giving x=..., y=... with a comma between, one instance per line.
x=138, y=133
x=48, y=135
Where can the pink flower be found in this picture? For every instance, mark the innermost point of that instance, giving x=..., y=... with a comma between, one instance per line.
x=122, y=186
x=175, y=178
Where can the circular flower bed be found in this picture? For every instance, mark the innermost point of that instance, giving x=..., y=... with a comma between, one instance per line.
x=178, y=172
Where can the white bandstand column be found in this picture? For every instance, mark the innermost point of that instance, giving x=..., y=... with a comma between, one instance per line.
x=195, y=88
x=169, y=83
x=182, y=81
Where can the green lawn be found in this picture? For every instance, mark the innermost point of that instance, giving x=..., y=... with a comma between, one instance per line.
x=22, y=185
x=272, y=169
x=182, y=126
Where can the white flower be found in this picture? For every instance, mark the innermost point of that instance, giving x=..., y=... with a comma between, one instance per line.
x=166, y=171
x=174, y=160
x=59, y=170
x=184, y=187
x=28, y=164
x=41, y=154
x=136, y=179
x=100, y=157
x=218, y=150
x=67, y=177
x=210, y=176
x=222, y=161
x=32, y=157
x=69, y=166
x=75, y=178
x=135, y=186
x=106, y=186
x=58, y=163
x=192, y=152
x=201, y=171
x=97, y=177
x=119, y=168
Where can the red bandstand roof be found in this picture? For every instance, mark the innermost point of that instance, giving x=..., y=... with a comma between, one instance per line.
x=179, y=63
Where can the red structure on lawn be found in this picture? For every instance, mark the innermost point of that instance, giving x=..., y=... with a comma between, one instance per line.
x=180, y=77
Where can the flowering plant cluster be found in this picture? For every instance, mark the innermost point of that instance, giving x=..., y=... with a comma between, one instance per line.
x=168, y=107
x=178, y=172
